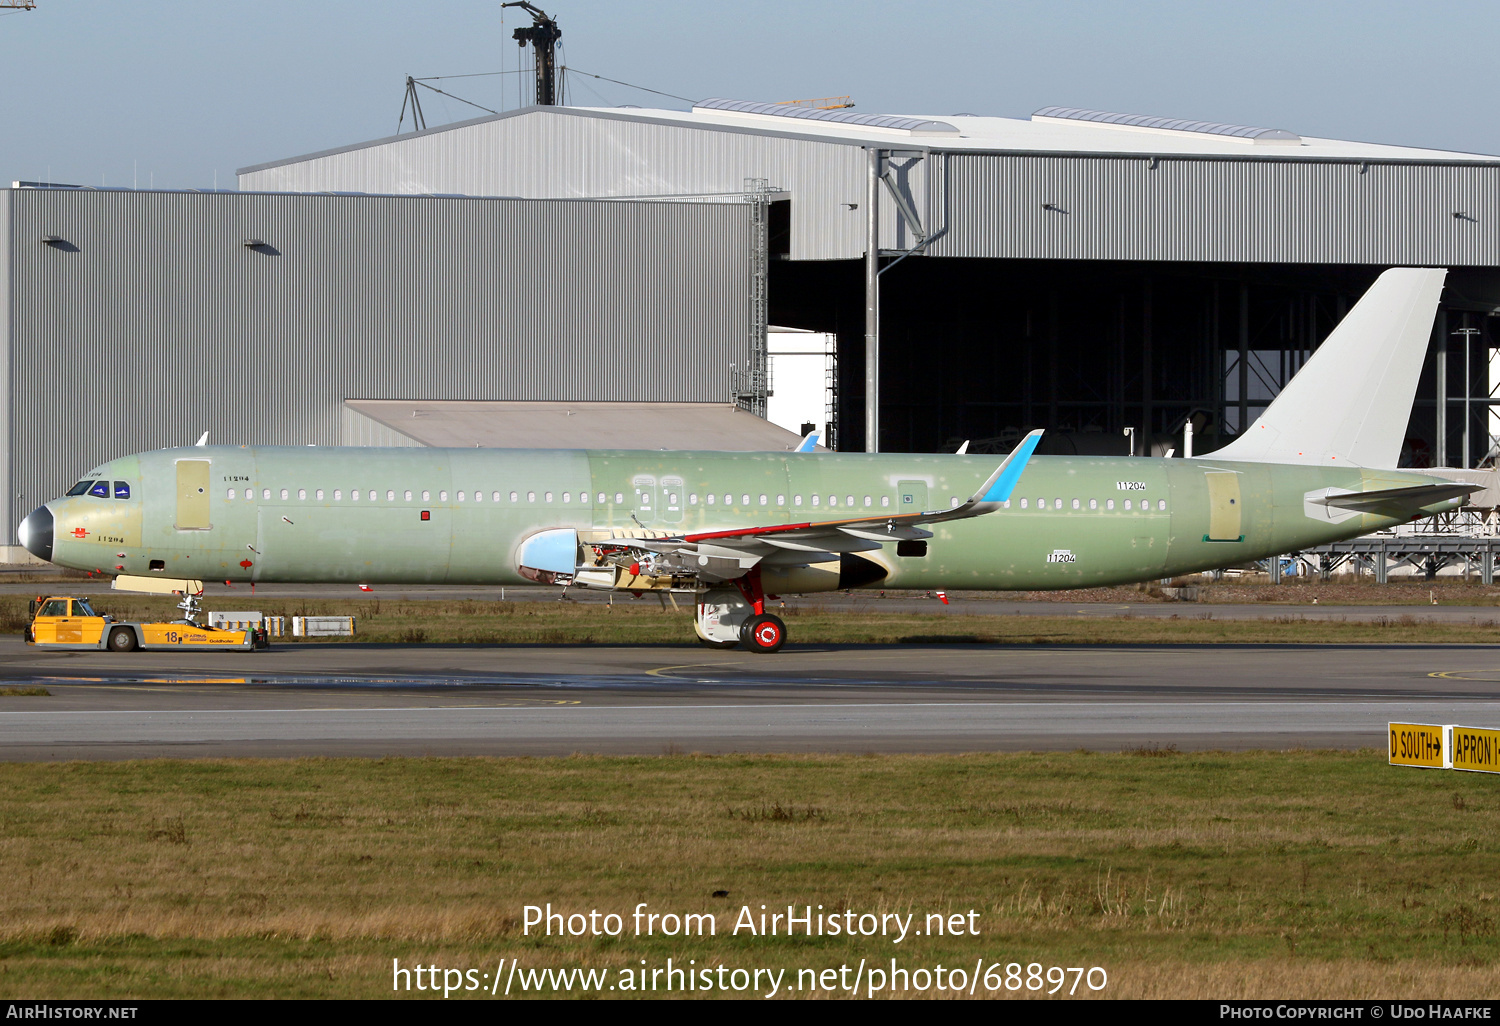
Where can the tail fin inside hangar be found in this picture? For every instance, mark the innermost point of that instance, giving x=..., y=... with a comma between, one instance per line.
x=1349, y=404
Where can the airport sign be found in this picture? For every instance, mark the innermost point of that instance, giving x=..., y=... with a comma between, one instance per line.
x=1417, y=744
x=1476, y=749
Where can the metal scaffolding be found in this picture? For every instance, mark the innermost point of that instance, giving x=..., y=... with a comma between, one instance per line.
x=751, y=384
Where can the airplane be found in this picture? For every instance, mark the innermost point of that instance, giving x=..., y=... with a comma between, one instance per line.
x=737, y=528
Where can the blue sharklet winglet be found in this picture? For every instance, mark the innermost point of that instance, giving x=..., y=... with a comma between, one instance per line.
x=1003, y=481
x=995, y=490
x=807, y=444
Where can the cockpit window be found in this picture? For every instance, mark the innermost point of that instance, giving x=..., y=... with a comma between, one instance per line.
x=122, y=489
x=80, y=487
x=101, y=489
x=81, y=607
x=54, y=607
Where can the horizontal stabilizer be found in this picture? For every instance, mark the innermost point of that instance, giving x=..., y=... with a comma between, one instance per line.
x=1399, y=502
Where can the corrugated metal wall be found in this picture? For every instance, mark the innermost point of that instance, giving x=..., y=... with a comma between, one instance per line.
x=1116, y=208
x=361, y=430
x=153, y=321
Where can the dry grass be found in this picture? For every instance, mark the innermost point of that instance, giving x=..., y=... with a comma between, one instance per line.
x=1183, y=874
x=1339, y=590
x=645, y=622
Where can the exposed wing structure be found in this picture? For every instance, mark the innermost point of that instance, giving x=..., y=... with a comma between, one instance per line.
x=640, y=559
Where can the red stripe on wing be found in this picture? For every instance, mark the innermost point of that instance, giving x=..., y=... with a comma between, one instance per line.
x=782, y=528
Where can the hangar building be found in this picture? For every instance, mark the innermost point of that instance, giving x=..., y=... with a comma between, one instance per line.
x=1078, y=270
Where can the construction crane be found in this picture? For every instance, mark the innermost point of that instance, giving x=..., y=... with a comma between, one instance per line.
x=821, y=103
x=543, y=36
x=418, y=121
x=18, y=5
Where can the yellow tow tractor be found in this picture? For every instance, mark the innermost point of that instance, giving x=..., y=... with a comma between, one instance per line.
x=67, y=621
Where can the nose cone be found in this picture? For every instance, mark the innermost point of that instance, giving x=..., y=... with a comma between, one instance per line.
x=36, y=533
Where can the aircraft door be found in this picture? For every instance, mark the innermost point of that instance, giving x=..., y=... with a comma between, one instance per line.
x=645, y=497
x=1224, y=507
x=673, y=499
x=911, y=497
x=192, y=495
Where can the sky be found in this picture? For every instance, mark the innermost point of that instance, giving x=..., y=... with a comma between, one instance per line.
x=181, y=93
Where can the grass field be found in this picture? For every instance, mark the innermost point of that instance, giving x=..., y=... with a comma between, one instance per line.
x=1182, y=875
x=645, y=621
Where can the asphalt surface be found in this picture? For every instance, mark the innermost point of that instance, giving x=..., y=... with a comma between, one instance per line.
x=340, y=699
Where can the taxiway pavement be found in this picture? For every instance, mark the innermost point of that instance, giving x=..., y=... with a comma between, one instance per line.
x=351, y=699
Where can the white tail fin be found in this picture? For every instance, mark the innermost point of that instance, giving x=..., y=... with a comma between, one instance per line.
x=1349, y=404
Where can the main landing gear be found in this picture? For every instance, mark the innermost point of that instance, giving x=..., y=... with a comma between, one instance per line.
x=763, y=633
x=736, y=615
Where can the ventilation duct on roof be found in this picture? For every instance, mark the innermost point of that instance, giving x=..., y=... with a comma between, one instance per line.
x=1168, y=126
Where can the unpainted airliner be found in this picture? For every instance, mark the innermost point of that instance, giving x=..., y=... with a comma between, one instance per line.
x=733, y=529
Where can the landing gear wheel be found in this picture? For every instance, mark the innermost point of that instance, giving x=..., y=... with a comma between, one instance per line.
x=763, y=633
x=122, y=639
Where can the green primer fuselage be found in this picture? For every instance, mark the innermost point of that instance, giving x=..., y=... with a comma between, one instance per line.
x=260, y=517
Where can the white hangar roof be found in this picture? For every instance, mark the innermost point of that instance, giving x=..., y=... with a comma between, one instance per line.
x=1066, y=183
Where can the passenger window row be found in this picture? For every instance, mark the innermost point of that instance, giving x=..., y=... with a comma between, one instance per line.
x=764, y=499
x=1140, y=505
x=849, y=501
x=407, y=495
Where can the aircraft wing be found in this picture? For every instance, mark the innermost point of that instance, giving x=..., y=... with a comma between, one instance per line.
x=873, y=529
x=723, y=555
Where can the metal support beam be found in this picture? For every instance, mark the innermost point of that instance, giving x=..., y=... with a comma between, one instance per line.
x=1276, y=569
x=1440, y=329
x=1148, y=413
x=1468, y=333
x=903, y=205
x=1052, y=347
x=1244, y=396
x=872, y=301
x=1487, y=567
x=1381, y=571
x=1468, y=391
